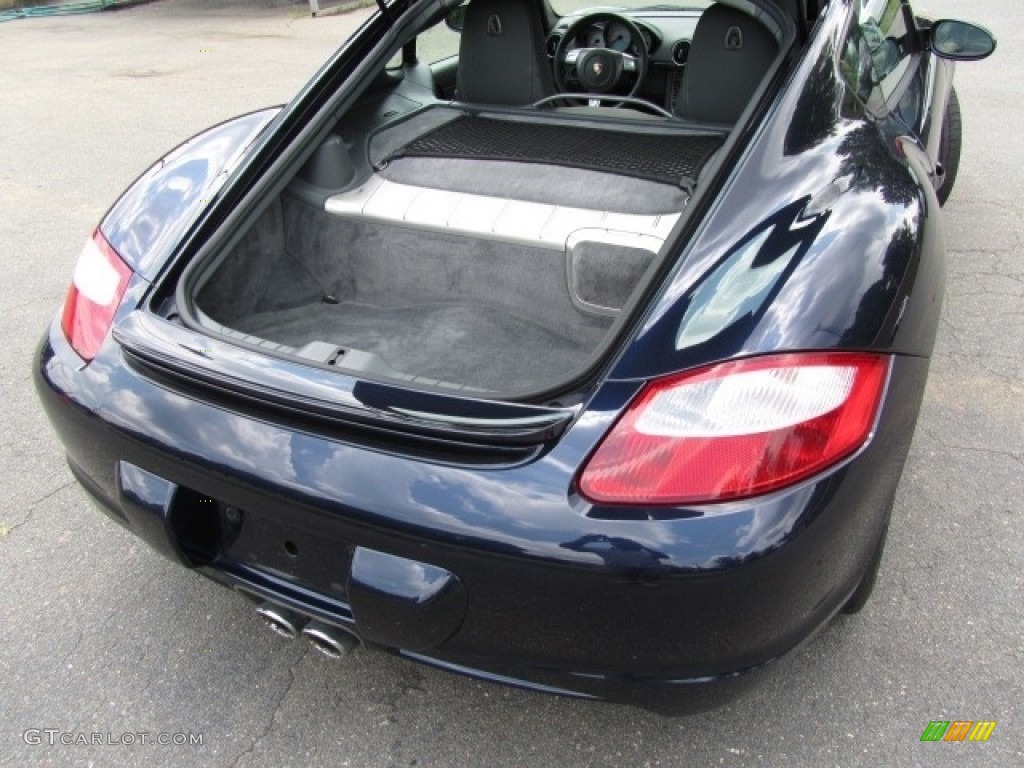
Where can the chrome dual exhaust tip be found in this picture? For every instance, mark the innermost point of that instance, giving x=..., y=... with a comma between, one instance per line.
x=282, y=621
x=331, y=641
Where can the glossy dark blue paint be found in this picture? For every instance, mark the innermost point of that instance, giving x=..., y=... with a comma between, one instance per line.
x=718, y=590
x=403, y=603
x=145, y=500
x=479, y=555
x=149, y=220
x=820, y=150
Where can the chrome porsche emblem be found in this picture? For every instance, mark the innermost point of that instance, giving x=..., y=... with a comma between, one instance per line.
x=597, y=67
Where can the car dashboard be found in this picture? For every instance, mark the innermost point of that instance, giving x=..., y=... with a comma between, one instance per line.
x=666, y=39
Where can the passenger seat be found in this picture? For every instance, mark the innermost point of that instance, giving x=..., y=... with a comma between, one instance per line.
x=729, y=56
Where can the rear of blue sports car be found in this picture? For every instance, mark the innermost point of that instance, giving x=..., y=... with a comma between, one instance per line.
x=577, y=397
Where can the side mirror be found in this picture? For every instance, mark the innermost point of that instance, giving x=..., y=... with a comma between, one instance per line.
x=960, y=41
x=456, y=19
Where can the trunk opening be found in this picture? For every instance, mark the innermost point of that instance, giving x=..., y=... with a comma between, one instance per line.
x=454, y=265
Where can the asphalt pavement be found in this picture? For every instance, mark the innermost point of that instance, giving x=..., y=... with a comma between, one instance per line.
x=99, y=635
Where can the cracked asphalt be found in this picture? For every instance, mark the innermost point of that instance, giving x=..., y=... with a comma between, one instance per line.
x=100, y=635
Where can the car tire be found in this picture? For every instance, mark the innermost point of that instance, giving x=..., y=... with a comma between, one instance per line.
x=949, y=146
x=862, y=593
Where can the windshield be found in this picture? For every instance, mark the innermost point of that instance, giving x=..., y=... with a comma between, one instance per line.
x=563, y=7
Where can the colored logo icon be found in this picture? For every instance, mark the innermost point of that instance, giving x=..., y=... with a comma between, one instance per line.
x=958, y=730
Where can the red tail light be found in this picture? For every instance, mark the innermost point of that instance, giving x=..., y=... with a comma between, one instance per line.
x=737, y=429
x=96, y=291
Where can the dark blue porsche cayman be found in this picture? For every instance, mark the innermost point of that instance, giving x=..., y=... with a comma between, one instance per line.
x=579, y=350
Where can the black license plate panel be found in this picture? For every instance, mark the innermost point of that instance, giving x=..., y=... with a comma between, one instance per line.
x=306, y=558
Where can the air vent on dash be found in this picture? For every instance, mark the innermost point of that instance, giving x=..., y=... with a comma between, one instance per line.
x=551, y=45
x=681, y=52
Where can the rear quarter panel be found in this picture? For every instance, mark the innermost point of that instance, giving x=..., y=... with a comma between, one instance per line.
x=148, y=221
x=825, y=236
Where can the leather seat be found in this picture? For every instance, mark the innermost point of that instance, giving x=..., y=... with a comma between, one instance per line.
x=729, y=56
x=501, y=54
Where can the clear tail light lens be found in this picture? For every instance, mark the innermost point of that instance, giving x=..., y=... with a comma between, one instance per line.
x=737, y=429
x=97, y=288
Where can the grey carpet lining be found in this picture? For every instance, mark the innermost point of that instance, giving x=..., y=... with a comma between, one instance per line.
x=538, y=183
x=391, y=266
x=475, y=345
x=534, y=182
x=491, y=315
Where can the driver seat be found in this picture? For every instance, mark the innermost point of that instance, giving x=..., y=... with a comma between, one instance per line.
x=502, y=59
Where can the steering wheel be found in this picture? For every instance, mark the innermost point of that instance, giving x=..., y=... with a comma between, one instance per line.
x=600, y=70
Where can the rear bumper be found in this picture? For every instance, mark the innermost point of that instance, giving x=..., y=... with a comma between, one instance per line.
x=498, y=572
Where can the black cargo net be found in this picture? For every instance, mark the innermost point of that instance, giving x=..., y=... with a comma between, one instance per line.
x=658, y=157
